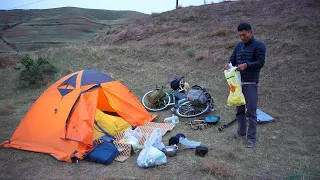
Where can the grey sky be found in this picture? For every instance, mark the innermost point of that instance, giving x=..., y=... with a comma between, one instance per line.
x=144, y=6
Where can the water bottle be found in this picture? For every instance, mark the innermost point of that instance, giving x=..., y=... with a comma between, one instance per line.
x=173, y=119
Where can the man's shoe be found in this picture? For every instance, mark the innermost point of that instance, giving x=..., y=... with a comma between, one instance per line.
x=250, y=144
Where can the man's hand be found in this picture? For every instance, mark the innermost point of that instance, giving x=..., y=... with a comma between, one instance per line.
x=241, y=67
x=226, y=66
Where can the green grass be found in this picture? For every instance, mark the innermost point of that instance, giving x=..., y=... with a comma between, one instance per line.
x=191, y=52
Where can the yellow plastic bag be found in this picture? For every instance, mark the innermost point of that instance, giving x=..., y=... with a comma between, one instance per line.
x=233, y=78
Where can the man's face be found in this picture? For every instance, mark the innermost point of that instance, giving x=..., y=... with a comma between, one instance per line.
x=245, y=35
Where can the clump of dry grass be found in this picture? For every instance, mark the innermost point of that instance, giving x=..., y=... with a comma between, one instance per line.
x=276, y=115
x=8, y=61
x=222, y=32
x=109, y=178
x=46, y=79
x=155, y=14
x=224, y=45
x=199, y=57
x=6, y=110
x=33, y=99
x=217, y=168
x=183, y=31
x=172, y=41
x=65, y=72
x=289, y=46
x=122, y=36
x=227, y=153
x=292, y=141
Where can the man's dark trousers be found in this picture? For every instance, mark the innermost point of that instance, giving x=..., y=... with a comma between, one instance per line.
x=248, y=112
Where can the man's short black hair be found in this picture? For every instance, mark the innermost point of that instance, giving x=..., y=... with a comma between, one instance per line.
x=244, y=26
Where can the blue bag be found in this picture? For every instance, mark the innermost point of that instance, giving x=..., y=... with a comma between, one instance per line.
x=103, y=153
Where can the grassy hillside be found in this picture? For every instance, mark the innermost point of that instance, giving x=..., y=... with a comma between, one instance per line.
x=25, y=30
x=150, y=50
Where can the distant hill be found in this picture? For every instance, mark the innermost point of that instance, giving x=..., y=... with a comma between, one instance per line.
x=24, y=30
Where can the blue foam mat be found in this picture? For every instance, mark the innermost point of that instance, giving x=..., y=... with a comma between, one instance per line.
x=263, y=117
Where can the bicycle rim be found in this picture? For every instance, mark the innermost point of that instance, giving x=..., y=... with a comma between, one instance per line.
x=187, y=110
x=159, y=105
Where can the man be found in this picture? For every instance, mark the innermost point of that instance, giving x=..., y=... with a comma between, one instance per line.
x=248, y=56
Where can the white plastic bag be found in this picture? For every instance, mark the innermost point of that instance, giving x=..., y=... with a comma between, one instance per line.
x=136, y=133
x=156, y=139
x=150, y=156
x=133, y=137
x=133, y=141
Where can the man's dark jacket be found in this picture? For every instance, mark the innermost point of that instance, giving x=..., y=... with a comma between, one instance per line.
x=253, y=54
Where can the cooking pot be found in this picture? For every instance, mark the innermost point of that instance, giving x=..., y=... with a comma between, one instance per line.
x=170, y=150
x=211, y=119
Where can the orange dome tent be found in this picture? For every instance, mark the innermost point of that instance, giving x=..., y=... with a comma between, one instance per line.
x=61, y=121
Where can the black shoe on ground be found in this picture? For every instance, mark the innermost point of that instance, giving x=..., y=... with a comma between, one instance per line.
x=250, y=144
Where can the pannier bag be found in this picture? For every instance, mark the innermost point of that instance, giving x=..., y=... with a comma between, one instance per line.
x=155, y=95
x=197, y=95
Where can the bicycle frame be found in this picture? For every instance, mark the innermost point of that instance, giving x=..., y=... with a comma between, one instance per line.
x=172, y=99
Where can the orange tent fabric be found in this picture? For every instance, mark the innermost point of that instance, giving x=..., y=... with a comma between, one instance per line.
x=60, y=122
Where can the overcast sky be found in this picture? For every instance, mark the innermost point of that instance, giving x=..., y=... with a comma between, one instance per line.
x=144, y=6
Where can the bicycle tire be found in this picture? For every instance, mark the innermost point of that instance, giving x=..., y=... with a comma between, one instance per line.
x=160, y=104
x=188, y=110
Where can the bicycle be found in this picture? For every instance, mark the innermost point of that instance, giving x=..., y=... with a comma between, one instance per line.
x=160, y=98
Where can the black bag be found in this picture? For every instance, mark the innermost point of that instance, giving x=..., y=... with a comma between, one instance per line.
x=197, y=95
x=175, y=83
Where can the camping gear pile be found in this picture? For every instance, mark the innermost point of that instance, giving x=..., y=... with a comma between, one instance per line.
x=201, y=124
x=146, y=131
x=88, y=115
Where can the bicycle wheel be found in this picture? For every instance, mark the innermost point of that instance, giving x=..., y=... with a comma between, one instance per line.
x=188, y=110
x=159, y=104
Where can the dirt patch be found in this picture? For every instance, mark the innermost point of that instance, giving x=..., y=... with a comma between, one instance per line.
x=219, y=169
x=9, y=60
x=6, y=110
